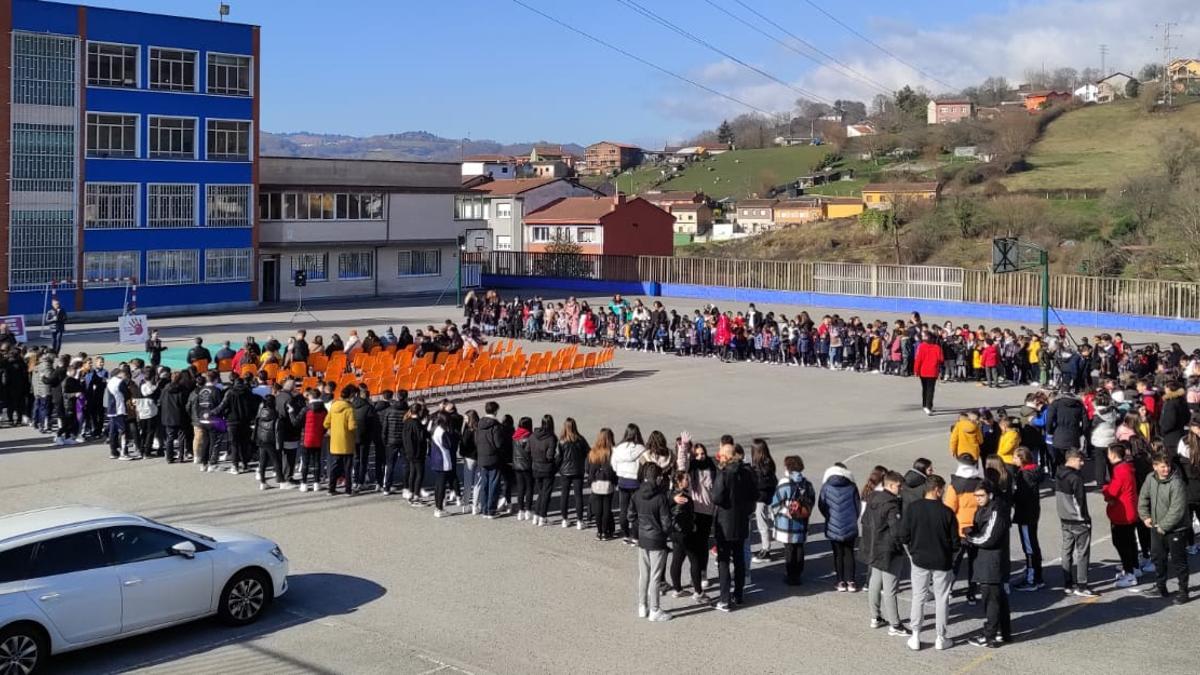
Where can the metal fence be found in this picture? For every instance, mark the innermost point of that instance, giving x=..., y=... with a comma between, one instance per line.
x=1147, y=297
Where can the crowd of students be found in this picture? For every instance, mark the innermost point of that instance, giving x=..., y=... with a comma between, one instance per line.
x=1137, y=419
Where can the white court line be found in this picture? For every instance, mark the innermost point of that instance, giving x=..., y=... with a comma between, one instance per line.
x=895, y=445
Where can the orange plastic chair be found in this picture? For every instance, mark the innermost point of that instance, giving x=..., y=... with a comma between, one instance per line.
x=318, y=361
x=271, y=369
x=248, y=369
x=309, y=383
x=202, y=365
x=422, y=381
x=298, y=369
x=223, y=365
x=403, y=358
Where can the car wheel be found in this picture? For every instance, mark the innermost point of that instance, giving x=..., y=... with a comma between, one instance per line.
x=245, y=597
x=23, y=650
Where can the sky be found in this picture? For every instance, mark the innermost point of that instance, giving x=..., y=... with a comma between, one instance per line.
x=492, y=69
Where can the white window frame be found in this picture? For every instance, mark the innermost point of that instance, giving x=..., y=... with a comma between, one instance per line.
x=409, y=252
x=195, y=205
x=533, y=234
x=91, y=209
x=176, y=256
x=249, y=139
x=173, y=158
x=223, y=256
x=208, y=204
x=150, y=49
x=504, y=210
x=504, y=242
x=137, y=134
x=592, y=231
x=249, y=74
x=137, y=64
x=323, y=257
x=364, y=254
x=111, y=269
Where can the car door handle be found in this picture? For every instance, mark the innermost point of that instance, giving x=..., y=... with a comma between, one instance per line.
x=49, y=596
x=132, y=582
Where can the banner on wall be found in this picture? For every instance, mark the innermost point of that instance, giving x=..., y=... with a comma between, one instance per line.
x=133, y=328
x=16, y=326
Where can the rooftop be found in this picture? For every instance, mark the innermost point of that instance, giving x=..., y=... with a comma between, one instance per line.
x=574, y=210
x=513, y=186
x=488, y=158
x=619, y=145
x=953, y=101
x=360, y=173
x=755, y=203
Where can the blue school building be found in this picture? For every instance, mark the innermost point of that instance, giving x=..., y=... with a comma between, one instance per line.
x=132, y=142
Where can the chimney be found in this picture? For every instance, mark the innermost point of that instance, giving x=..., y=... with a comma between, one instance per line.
x=618, y=198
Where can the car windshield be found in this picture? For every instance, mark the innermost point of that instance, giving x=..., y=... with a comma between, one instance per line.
x=189, y=533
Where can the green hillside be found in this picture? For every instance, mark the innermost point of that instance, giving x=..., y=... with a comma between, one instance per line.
x=740, y=173
x=1100, y=145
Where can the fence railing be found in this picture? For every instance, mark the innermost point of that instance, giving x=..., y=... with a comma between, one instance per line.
x=1147, y=297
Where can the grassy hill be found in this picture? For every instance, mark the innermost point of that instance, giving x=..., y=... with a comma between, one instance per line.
x=740, y=173
x=1098, y=146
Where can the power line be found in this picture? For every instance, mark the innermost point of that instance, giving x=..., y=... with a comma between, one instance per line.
x=640, y=60
x=878, y=46
x=700, y=41
x=841, y=68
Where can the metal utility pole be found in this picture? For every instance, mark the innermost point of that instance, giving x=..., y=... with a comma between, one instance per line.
x=1103, y=61
x=1168, y=95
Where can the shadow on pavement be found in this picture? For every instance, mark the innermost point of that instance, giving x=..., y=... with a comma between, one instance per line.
x=310, y=597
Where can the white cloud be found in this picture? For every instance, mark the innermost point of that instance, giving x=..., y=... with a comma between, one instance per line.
x=1019, y=38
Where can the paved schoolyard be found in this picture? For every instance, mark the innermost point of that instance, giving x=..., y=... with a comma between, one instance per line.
x=381, y=587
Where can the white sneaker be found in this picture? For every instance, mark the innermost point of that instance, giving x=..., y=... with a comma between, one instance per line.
x=233, y=470
x=474, y=509
x=927, y=411
x=262, y=486
x=914, y=643
x=565, y=524
x=438, y=513
x=314, y=487
x=1125, y=581
x=943, y=644
x=520, y=515
x=406, y=493
x=502, y=504
x=58, y=440
x=642, y=612
x=1148, y=566
x=660, y=615
x=579, y=525
x=304, y=487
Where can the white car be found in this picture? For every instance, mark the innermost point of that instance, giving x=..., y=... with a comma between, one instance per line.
x=76, y=576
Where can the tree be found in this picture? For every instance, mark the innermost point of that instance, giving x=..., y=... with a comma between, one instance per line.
x=1150, y=72
x=963, y=212
x=811, y=110
x=993, y=91
x=1179, y=153
x=725, y=133
x=1179, y=231
x=1090, y=75
x=1131, y=88
x=1148, y=96
x=911, y=103
x=1142, y=197
x=853, y=111
x=1064, y=79
x=881, y=105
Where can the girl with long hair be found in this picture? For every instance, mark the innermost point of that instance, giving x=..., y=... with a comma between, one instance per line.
x=626, y=461
x=602, y=480
x=765, y=481
x=573, y=451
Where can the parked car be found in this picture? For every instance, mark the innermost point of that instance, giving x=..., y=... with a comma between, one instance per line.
x=76, y=576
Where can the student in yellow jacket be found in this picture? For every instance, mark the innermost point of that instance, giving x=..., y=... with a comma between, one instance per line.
x=1010, y=438
x=966, y=436
x=340, y=423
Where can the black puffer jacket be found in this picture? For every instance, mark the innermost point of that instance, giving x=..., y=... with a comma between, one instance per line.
x=365, y=419
x=521, y=459
x=392, y=424
x=880, y=519
x=573, y=458
x=543, y=453
x=240, y=405
x=415, y=439
x=1065, y=421
x=290, y=409
x=765, y=481
x=1027, y=497
x=1173, y=420
x=489, y=442
x=650, y=513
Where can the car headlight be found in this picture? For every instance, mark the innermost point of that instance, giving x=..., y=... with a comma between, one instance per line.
x=278, y=554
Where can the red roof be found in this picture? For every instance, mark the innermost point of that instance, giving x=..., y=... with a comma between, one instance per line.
x=513, y=186
x=953, y=101
x=587, y=210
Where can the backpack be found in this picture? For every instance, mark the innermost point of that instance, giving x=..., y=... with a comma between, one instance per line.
x=264, y=430
x=799, y=505
x=204, y=403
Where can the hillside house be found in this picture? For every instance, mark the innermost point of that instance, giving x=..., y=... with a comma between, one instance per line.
x=798, y=211
x=883, y=195
x=495, y=166
x=1112, y=88
x=948, y=111
x=551, y=153
x=755, y=215
x=1036, y=101
x=692, y=218
x=1086, y=93
x=1184, y=74
x=504, y=203
x=855, y=130
x=841, y=207
x=608, y=157
x=602, y=225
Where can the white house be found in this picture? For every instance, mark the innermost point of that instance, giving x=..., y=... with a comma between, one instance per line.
x=1087, y=93
x=496, y=166
x=1112, y=87
x=853, y=130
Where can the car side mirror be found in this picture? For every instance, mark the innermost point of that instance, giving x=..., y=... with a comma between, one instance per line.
x=184, y=549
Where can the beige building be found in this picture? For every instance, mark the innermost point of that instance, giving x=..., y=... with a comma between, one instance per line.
x=692, y=218
x=755, y=215
x=359, y=228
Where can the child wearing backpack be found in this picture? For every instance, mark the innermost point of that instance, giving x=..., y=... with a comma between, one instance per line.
x=265, y=437
x=790, y=508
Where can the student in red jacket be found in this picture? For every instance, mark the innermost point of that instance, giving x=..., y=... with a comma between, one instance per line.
x=927, y=365
x=312, y=440
x=1121, y=495
x=989, y=358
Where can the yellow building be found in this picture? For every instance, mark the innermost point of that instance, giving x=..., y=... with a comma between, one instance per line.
x=842, y=207
x=882, y=195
